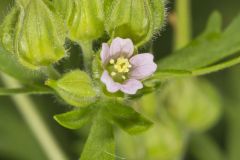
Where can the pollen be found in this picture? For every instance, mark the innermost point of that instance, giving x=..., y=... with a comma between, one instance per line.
x=113, y=74
x=112, y=61
x=121, y=65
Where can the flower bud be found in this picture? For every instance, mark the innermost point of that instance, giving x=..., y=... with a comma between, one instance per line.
x=9, y=29
x=41, y=40
x=63, y=7
x=86, y=22
x=194, y=103
x=135, y=19
x=75, y=88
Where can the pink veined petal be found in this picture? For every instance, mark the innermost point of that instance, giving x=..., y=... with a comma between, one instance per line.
x=131, y=86
x=142, y=66
x=110, y=84
x=105, y=52
x=121, y=47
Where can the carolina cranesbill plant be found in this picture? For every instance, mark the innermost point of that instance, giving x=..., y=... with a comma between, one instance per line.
x=37, y=37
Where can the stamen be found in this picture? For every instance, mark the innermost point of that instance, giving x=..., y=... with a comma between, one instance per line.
x=113, y=74
x=122, y=65
x=112, y=61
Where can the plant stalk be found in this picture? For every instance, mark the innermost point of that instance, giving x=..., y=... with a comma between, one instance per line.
x=183, y=27
x=42, y=133
x=87, y=55
x=13, y=91
x=183, y=33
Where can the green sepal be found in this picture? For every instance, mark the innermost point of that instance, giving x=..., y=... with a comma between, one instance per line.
x=76, y=88
x=97, y=68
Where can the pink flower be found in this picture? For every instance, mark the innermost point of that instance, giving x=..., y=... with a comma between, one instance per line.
x=122, y=70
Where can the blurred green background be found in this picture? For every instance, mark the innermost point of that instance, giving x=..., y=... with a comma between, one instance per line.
x=222, y=141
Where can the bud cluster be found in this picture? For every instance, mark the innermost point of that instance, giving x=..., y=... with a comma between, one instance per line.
x=35, y=30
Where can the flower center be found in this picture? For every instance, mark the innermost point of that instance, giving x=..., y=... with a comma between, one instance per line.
x=119, y=68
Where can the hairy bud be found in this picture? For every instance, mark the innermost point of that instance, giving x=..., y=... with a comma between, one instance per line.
x=135, y=19
x=9, y=29
x=87, y=20
x=63, y=7
x=41, y=39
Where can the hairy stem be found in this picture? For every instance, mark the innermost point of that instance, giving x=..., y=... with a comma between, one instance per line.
x=87, y=55
x=13, y=91
x=28, y=110
x=51, y=72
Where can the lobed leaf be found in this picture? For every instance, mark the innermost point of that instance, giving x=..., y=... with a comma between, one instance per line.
x=125, y=117
x=75, y=119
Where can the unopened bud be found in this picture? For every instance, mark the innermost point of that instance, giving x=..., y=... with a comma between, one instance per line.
x=86, y=21
x=64, y=8
x=41, y=40
x=9, y=28
x=135, y=19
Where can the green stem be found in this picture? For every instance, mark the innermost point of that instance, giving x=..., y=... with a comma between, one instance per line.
x=87, y=55
x=51, y=72
x=28, y=110
x=13, y=91
x=183, y=25
x=182, y=37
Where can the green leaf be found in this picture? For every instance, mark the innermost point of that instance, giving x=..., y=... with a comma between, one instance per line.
x=10, y=66
x=75, y=88
x=75, y=119
x=125, y=117
x=206, y=50
x=100, y=143
x=214, y=23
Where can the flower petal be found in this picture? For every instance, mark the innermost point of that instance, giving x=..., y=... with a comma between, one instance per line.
x=143, y=66
x=105, y=52
x=131, y=86
x=110, y=84
x=122, y=47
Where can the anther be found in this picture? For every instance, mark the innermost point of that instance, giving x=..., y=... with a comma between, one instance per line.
x=113, y=74
x=112, y=61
